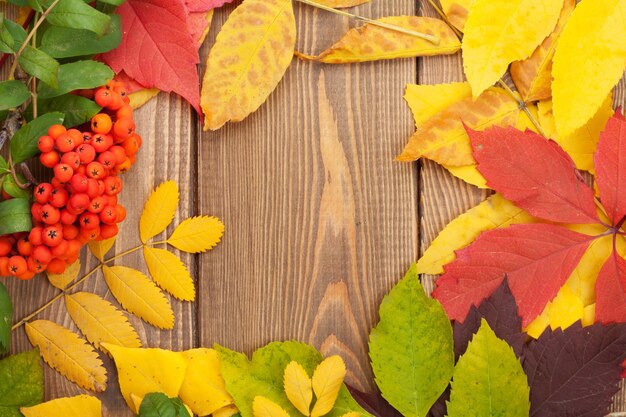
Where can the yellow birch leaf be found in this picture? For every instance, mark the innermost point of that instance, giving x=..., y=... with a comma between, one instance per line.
x=263, y=407
x=425, y=101
x=197, y=234
x=78, y=406
x=327, y=381
x=456, y=11
x=100, y=321
x=61, y=281
x=142, y=371
x=248, y=60
x=443, y=138
x=68, y=353
x=469, y=174
x=533, y=76
x=169, y=273
x=339, y=4
x=298, y=387
x=158, y=211
x=99, y=248
x=141, y=97
x=228, y=411
x=372, y=43
x=139, y=295
x=203, y=388
x=498, y=32
x=589, y=60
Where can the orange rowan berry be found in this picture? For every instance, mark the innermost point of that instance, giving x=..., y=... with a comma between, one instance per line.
x=116, y=101
x=65, y=143
x=34, y=266
x=123, y=128
x=4, y=266
x=52, y=235
x=42, y=254
x=58, y=197
x=101, y=123
x=121, y=212
x=56, y=266
x=45, y=143
x=56, y=130
x=86, y=153
x=59, y=250
x=96, y=171
x=34, y=237
x=5, y=246
x=108, y=215
x=72, y=159
x=103, y=97
x=50, y=214
x=107, y=231
x=124, y=111
x=63, y=172
x=49, y=159
x=17, y=265
x=70, y=231
x=24, y=247
x=26, y=275
x=101, y=142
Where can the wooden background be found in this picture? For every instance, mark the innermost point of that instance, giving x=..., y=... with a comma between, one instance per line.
x=320, y=221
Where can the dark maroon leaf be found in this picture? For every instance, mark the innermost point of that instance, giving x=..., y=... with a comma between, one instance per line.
x=374, y=404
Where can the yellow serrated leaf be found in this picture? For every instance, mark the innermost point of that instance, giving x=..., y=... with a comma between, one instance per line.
x=298, y=387
x=425, y=101
x=263, y=407
x=469, y=174
x=339, y=4
x=203, y=388
x=158, y=211
x=61, y=281
x=589, y=60
x=456, y=11
x=142, y=371
x=68, y=353
x=498, y=32
x=197, y=234
x=247, y=60
x=78, y=406
x=563, y=311
x=351, y=414
x=169, y=273
x=141, y=97
x=139, y=295
x=100, y=321
x=372, y=43
x=99, y=248
x=228, y=411
x=327, y=381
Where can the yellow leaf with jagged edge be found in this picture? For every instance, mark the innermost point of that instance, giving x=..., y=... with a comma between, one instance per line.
x=327, y=381
x=248, y=60
x=141, y=97
x=68, y=353
x=78, y=406
x=425, y=101
x=581, y=144
x=203, y=388
x=583, y=279
x=61, y=281
x=139, y=295
x=443, y=138
x=498, y=32
x=263, y=407
x=456, y=11
x=339, y=4
x=563, y=311
x=100, y=321
x=159, y=210
x=469, y=174
x=99, y=248
x=169, y=273
x=371, y=43
x=143, y=371
x=197, y=234
x=228, y=411
x=589, y=60
x=495, y=212
x=533, y=76
x=298, y=387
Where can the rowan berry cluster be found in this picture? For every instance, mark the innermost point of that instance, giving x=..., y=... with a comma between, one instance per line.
x=79, y=203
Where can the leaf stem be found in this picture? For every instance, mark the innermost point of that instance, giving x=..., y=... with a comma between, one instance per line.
x=523, y=106
x=14, y=175
x=430, y=38
x=445, y=18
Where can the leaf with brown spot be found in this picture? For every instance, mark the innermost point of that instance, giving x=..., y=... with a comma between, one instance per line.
x=456, y=11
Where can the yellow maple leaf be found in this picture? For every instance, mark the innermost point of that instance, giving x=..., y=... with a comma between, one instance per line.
x=139, y=295
x=247, y=60
x=100, y=321
x=169, y=273
x=298, y=387
x=61, y=281
x=68, y=353
x=425, y=101
x=197, y=234
x=99, y=248
x=498, y=32
x=370, y=42
x=327, y=381
x=456, y=11
x=141, y=97
x=263, y=407
x=228, y=411
x=78, y=406
x=158, y=211
x=589, y=60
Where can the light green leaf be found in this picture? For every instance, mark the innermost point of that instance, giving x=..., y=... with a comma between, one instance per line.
x=12, y=94
x=77, y=14
x=10, y=186
x=158, y=404
x=15, y=216
x=21, y=383
x=4, y=166
x=411, y=348
x=24, y=142
x=75, y=76
x=489, y=380
x=12, y=36
x=61, y=42
x=77, y=109
x=6, y=320
x=39, y=64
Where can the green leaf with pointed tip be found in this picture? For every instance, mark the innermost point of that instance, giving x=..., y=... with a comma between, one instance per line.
x=24, y=142
x=40, y=65
x=15, y=216
x=157, y=404
x=4, y=166
x=11, y=188
x=76, y=76
x=6, y=320
x=411, y=348
x=77, y=109
x=77, y=14
x=21, y=383
x=12, y=94
x=489, y=380
x=61, y=42
x=12, y=36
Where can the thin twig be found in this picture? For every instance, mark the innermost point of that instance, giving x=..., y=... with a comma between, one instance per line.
x=27, y=174
x=10, y=126
x=14, y=175
x=523, y=106
x=445, y=18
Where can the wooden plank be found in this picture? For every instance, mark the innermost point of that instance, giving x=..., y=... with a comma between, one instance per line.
x=320, y=221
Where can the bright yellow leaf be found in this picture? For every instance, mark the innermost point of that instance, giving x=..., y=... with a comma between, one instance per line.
x=263, y=407
x=139, y=295
x=158, y=211
x=498, y=32
x=248, y=60
x=100, y=321
x=61, y=281
x=99, y=248
x=563, y=311
x=78, y=406
x=197, y=234
x=589, y=315
x=298, y=387
x=141, y=97
x=583, y=278
x=228, y=411
x=469, y=174
x=590, y=59
x=338, y=4
x=456, y=11
x=351, y=414
x=426, y=100
x=371, y=43
x=327, y=381
x=523, y=119
x=142, y=371
x=68, y=353
x=170, y=273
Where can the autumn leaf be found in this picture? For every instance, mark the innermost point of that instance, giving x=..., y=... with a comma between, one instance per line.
x=262, y=407
x=228, y=411
x=68, y=353
x=373, y=403
x=78, y=406
x=425, y=101
x=99, y=248
x=467, y=173
x=456, y=11
x=298, y=387
x=611, y=291
x=199, y=25
x=157, y=404
x=22, y=382
x=170, y=273
x=339, y=4
x=197, y=234
x=61, y=281
x=326, y=382
x=159, y=210
x=141, y=97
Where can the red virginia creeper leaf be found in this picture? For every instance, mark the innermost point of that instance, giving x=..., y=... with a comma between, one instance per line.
x=131, y=85
x=576, y=371
x=611, y=291
x=534, y=173
x=536, y=258
x=373, y=403
x=204, y=5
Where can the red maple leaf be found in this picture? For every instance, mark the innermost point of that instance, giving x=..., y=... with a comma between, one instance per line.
x=538, y=176
x=204, y=5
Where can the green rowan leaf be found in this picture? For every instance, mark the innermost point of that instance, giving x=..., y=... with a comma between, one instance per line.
x=21, y=383
x=76, y=76
x=24, y=142
x=77, y=109
x=12, y=36
x=157, y=404
x=12, y=94
x=59, y=42
x=77, y=14
x=6, y=320
x=4, y=166
x=15, y=216
x=39, y=64
x=10, y=186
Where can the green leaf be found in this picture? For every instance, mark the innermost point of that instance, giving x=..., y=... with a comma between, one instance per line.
x=77, y=14
x=4, y=166
x=411, y=348
x=39, y=64
x=9, y=185
x=21, y=383
x=20, y=3
x=77, y=109
x=12, y=94
x=24, y=142
x=77, y=75
x=113, y=2
x=158, y=404
x=6, y=320
x=489, y=380
x=35, y=4
x=61, y=42
x=15, y=216
x=263, y=375
x=12, y=36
